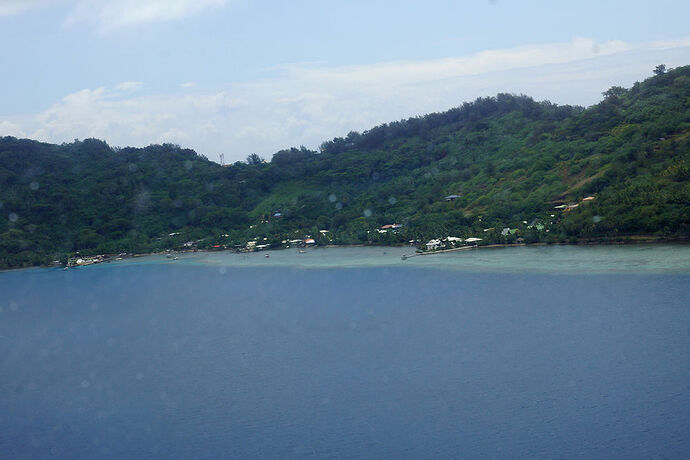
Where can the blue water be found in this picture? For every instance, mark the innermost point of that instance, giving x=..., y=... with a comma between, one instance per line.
x=194, y=360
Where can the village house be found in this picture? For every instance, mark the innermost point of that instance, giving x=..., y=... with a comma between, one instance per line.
x=433, y=245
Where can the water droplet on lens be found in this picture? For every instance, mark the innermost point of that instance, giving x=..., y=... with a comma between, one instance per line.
x=338, y=206
x=34, y=185
x=392, y=200
x=367, y=213
x=13, y=217
x=332, y=198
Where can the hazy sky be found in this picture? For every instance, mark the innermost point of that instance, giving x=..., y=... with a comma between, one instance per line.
x=240, y=76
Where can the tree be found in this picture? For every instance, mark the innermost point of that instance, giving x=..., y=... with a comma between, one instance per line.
x=254, y=159
x=660, y=69
x=614, y=91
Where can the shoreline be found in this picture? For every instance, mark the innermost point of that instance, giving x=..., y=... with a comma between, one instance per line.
x=580, y=243
x=632, y=240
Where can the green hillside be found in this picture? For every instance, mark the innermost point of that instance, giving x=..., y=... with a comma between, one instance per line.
x=511, y=161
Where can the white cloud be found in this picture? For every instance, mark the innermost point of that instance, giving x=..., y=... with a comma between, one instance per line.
x=13, y=7
x=307, y=104
x=9, y=128
x=129, y=86
x=115, y=14
x=482, y=62
x=674, y=43
x=109, y=15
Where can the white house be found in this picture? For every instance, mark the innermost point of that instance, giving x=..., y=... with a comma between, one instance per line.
x=433, y=245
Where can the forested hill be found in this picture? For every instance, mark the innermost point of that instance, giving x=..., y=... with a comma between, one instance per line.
x=504, y=162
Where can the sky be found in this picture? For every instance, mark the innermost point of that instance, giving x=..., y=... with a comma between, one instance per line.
x=236, y=77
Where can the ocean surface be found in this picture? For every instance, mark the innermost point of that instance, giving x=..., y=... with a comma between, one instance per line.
x=526, y=352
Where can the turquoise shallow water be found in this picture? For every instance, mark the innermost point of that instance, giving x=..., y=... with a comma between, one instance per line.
x=519, y=259
x=546, y=352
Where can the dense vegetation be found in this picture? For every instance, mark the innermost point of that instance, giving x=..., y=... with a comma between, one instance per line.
x=510, y=160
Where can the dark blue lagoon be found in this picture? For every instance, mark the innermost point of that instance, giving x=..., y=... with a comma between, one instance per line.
x=527, y=352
